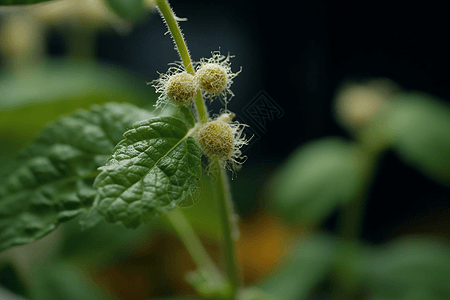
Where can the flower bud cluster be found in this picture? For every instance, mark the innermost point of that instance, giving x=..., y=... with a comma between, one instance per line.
x=213, y=77
x=220, y=138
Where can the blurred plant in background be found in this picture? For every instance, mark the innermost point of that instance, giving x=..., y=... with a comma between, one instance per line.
x=337, y=174
x=38, y=88
x=322, y=177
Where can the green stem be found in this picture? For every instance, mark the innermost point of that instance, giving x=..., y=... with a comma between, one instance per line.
x=178, y=38
x=172, y=24
x=227, y=221
x=350, y=227
x=350, y=221
x=192, y=243
x=201, y=108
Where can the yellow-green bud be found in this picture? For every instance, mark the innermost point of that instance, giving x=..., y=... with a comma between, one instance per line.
x=222, y=139
x=176, y=87
x=216, y=139
x=181, y=88
x=212, y=78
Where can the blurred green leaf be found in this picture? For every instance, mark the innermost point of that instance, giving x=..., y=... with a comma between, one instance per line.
x=19, y=2
x=59, y=87
x=59, y=280
x=410, y=269
x=420, y=129
x=150, y=172
x=311, y=261
x=315, y=179
x=127, y=9
x=102, y=244
x=53, y=176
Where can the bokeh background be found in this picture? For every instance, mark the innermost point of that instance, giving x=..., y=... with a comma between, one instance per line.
x=299, y=53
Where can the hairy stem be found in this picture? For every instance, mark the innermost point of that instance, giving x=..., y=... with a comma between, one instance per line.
x=172, y=24
x=228, y=225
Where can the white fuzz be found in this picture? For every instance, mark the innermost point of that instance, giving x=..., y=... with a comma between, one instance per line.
x=223, y=139
x=176, y=87
x=214, y=77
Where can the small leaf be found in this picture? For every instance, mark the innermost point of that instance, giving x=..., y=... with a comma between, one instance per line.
x=317, y=178
x=151, y=171
x=53, y=177
x=127, y=9
x=420, y=129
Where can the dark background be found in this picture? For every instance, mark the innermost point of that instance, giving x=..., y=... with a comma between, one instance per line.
x=299, y=52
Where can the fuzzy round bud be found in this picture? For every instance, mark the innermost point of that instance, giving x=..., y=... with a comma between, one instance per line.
x=216, y=139
x=181, y=88
x=223, y=139
x=212, y=78
x=177, y=87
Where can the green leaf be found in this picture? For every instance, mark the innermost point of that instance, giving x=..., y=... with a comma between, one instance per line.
x=127, y=9
x=151, y=171
x=60, y=280
x=52, y=179
x=309, y=264
x=412, y=268
x=317, y=178
x=420, y=129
